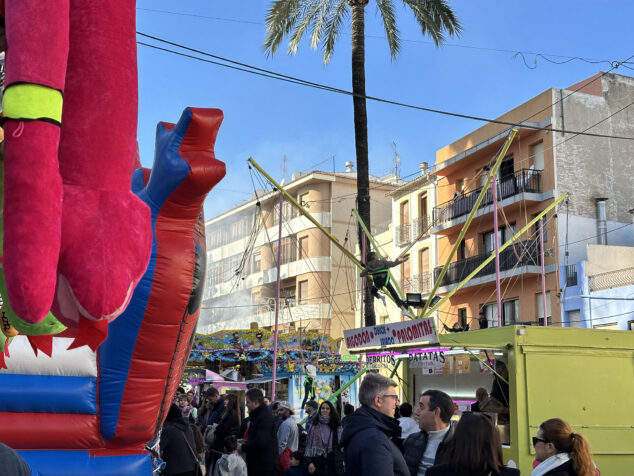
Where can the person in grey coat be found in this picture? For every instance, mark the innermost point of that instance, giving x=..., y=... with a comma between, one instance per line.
x=372, y=435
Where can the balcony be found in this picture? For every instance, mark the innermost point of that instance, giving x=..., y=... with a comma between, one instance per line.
x=422, y=283
x=525, y=180
x=521, y=253
x=403, y=234
x=422, y=226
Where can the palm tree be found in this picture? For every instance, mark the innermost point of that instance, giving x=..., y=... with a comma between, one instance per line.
x=325, y=18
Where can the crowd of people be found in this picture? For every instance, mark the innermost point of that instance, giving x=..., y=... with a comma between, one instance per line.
x=379, y=438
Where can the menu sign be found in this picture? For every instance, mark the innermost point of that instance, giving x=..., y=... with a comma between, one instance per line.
x=432, y=363
x=400, y=333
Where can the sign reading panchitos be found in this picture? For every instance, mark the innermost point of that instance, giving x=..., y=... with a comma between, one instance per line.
x=399, y=333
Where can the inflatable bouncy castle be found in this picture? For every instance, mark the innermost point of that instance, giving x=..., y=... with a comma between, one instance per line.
x=79, y=412
x=102, y=261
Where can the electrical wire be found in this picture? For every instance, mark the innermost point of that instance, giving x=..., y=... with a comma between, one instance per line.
x=451, y=45
x=291, y=79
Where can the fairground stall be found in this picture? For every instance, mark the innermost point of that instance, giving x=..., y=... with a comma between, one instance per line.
x=245, y=357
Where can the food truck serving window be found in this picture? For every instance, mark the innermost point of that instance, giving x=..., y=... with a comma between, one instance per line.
x=468, y=379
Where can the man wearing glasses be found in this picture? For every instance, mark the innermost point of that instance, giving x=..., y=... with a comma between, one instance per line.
x=426, y=448
x=371, y=437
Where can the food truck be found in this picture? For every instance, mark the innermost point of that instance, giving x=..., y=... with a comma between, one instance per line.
x=584, y=376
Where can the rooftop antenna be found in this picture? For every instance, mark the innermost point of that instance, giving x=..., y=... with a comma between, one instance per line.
x=397, y=160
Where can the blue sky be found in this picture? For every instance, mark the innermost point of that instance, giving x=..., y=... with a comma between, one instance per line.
x=477, y=74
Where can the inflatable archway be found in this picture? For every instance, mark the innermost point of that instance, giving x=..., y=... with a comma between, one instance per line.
x=81, y=412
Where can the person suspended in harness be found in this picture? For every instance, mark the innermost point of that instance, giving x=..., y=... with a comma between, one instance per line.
x=309, y=380
x=378, y=269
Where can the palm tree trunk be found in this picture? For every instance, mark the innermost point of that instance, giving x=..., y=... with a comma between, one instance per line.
x=361, y=132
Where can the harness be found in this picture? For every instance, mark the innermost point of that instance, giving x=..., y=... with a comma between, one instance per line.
x=381, y=271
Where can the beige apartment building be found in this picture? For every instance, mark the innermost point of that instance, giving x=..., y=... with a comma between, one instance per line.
x=541, y=164
x=412, y=207
x=318, y=283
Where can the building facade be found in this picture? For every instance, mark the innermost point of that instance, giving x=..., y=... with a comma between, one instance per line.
x=540, y=165
x=318, y=283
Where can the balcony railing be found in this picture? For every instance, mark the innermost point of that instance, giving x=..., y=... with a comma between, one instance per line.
x=525, y=180
x=422, y=283
x=522, y=253
x=421, y=226
x=407, y=285
x=403, y=234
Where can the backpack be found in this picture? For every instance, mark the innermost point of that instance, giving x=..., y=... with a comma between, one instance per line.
x=210, y=434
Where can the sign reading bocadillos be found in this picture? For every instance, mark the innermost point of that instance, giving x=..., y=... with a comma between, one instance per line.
x=399, y=333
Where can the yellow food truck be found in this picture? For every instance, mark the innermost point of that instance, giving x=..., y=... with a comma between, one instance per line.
x=584, y=376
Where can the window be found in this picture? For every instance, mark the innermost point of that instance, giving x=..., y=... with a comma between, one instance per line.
x=484, y=176
x=422, y=205
x=543, y=220
x=404, y=213
x=537, y=151
x=510, y=312
x=303, y=200
x=405, y=277
x=491, y=312
x=571, y=275
x=459, y=185
x=303, y=247
x=506, y=168
x=302, y=291
x=256, y=263
x=287, y=294
x=288, y=212
x=539, y=305
x=504, y=234
x=462, y=317
x=462, y=250
x=288, y=252
x=423, y=261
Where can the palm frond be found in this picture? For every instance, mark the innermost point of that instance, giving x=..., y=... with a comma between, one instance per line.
x=338, y=13
x=310, y=11
x=386, y=8
x=435, y=18
x=320, y=23
x=280, y=19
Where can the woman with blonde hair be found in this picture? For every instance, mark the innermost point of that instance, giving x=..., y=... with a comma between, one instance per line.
x=560, y=451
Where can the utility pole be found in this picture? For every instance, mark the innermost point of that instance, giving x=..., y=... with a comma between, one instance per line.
x=277, y=297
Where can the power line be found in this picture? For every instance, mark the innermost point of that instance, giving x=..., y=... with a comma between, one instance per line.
x=544, y=56
x=302, y=82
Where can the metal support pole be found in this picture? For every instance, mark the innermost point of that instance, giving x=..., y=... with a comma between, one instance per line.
x=277, y=296
x=541, y=251
x=498, y=295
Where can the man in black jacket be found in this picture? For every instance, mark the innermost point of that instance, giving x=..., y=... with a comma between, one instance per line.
x=427, y=447
x=261, y=445
x=372, y=435
x=217, y=405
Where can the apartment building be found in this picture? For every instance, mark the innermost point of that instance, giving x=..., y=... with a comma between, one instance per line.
x=409, y=232
x=541, y=164
x=412, y=206
x=318, y=283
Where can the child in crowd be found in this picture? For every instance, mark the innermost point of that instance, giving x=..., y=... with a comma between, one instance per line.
x=297, y=467
x=230, y=463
